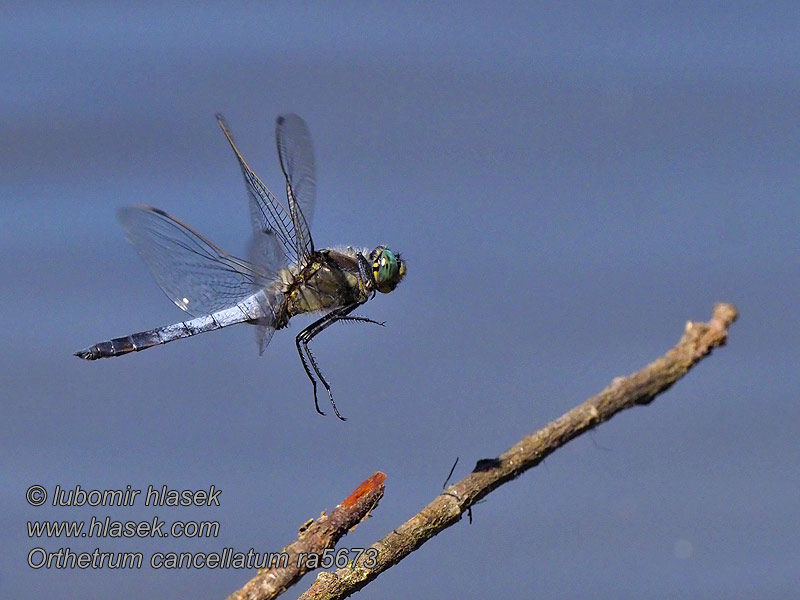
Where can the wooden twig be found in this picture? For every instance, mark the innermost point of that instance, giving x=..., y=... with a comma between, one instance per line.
x=314, y=537
x=447, y=508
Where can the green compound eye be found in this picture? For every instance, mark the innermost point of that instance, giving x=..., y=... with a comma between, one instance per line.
x=387, y=269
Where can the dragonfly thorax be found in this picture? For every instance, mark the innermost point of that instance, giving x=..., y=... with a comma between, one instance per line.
x=332, y=278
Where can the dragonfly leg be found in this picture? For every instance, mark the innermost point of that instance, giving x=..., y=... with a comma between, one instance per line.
x=300, y=343
x=305, y=336
x=360, y=319
x=325, y=383
x=364, y=268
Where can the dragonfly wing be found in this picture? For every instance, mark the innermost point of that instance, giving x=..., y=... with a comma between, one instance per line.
x=297, y=162
x=265, y=249
x=264, y=333
x=268, y=215
x=194, y=273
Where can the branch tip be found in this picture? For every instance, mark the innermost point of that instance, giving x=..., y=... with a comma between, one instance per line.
x=624, y=392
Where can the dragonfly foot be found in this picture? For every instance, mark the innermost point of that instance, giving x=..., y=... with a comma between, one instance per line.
x=333, y=404
x=316, y=402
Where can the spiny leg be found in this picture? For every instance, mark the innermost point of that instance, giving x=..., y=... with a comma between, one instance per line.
x=324, y=381
x=305, y=336
x=297, y=342
x=360, y=319
x=302, y=340
x=329, y=319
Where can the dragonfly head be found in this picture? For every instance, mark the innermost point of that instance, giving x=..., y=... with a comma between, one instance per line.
x=387, y=269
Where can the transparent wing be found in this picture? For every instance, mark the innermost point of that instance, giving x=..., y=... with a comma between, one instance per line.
x=194, y=273
x=264, y=333
x=265, y=249
x=269, y=217
x=297, y=162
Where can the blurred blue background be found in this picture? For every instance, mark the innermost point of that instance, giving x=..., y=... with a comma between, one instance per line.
x=569, y=185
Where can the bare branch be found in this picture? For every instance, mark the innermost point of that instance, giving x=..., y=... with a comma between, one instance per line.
x=313, y=538
x=447, y=508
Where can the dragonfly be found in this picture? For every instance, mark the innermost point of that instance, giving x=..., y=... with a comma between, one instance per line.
x=284, y=275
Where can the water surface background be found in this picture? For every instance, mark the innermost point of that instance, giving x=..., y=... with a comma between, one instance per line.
x=569, y=186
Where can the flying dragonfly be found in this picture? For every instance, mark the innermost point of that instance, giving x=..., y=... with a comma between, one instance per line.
x=284, y=275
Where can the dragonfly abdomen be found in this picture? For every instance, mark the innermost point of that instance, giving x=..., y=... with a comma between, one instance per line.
x=155, y=337
x=122, y=345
